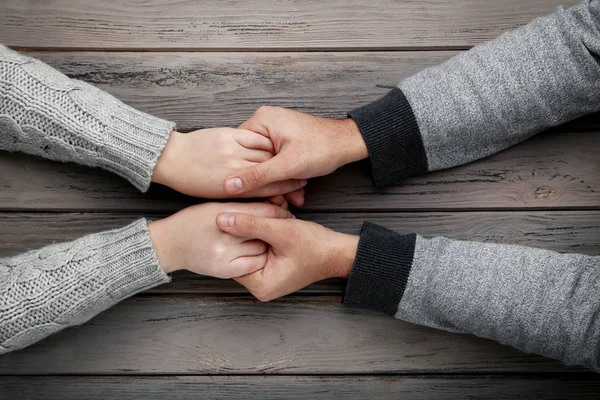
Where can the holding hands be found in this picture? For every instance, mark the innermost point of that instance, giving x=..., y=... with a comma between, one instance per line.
x=261, y=245
x=300, y=253
x=304, y=146
x=197, y=163
x=190, y=240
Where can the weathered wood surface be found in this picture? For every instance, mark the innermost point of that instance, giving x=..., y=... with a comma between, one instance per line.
x=553, y=170
x=577, y=231
x=199, y=90
x=231, y=335
x=301, y=387
x=262, y=24
x=163, y=58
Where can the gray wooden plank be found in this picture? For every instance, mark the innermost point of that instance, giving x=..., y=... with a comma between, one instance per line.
x=261, y=24
x=223, y=89
x=560, y=170
x=574, y=231
x=225, y=335
x=554, y=170
x=301, y=387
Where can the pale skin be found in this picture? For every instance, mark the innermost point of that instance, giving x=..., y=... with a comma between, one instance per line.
x=196, y=164
x=300, y=252
x=273, y=152
x=190, y=240
x=305, y=147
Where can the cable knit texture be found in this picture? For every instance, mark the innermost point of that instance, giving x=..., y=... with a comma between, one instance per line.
x=43, y=112
x=44, y=291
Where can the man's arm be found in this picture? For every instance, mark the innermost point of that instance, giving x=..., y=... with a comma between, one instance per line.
x=478, y=103
x=535, y=300
x=489, y=98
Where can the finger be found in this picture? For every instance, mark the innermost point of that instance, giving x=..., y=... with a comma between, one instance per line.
x=277, y=188
x=296, y=197
x=249, y=226
x=263, y=210
x=277, y=200
x=253, y=140
x=257, y=156
x=250, y=248
x=254, y=124
x=246, y=265
x=251, y=178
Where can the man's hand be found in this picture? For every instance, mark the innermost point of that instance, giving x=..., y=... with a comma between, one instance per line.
x=197, y=163
x=300, y=253
x=190, y=240
x=305, y=147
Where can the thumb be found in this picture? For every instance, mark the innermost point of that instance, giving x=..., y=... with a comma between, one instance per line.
x=249, y=226
x=257, y=176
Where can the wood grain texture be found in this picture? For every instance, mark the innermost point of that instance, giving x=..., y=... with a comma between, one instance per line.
x=302, y=387
x=199, y=90
x=553, y=170
x=225, y=335
x=577, y=231
x=261, y=24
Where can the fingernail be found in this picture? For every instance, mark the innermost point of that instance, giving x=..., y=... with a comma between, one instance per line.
x=303, y=182
x=234, y=185
x=226, y=220
x=293, y=216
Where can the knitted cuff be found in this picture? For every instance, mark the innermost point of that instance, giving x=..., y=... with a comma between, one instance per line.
x=391, y=133
x=381, y=269
x=128, y=262
x=133, y=142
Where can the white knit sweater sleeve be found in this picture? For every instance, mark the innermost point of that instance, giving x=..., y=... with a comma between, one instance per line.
x=43, y=112
x=44, y=291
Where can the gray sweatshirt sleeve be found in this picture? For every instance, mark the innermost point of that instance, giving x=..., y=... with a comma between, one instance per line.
x=535, y=300
x=478, y=103
x=488, y=98
x=43, y=112
x=44, y=291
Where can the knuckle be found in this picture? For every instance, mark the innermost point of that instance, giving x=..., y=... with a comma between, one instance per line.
x=262, y=295
x=263, y=109
x=250, y=225
x=257, y=175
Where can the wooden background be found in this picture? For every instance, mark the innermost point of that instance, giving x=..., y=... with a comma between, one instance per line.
x=211, y=63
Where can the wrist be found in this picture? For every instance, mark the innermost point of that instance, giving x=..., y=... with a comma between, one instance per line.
x=344, y=255
x=349, y=142
x=164, y=165
x=162, y=245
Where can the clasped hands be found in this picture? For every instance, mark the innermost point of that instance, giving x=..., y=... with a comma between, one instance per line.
x=262, y=245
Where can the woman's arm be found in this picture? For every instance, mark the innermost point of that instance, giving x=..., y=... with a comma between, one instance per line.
x=43, y=112
x=44, y=291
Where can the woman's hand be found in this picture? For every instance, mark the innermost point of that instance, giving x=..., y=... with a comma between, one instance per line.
x=300, y=253
x=197, y=163
x=191, y=240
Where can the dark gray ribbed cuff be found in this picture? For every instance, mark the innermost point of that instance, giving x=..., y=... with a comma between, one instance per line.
x=391, y=132
x=381, y=269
